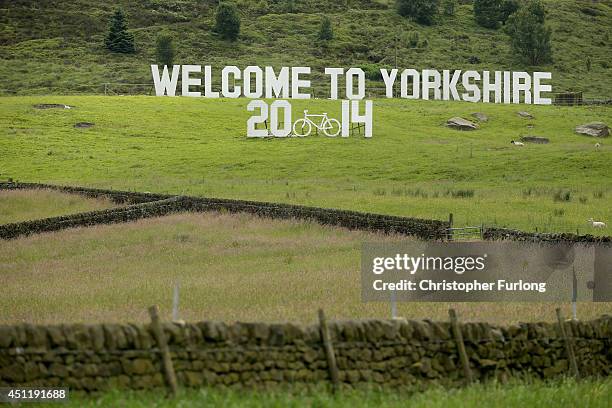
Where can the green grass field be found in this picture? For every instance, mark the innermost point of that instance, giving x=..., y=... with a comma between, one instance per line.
x=561, y=394
x=413, y=166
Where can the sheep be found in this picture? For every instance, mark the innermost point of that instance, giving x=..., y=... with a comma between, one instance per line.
x=597, y=145
x=517, y=143
x=597, y=224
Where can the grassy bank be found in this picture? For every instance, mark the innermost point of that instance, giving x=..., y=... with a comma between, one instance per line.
x=561, y=394
x=413, y=165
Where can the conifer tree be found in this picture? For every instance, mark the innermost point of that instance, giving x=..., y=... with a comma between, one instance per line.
x=118, y=38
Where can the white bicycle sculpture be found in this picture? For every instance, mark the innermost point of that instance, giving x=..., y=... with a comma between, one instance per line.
x=303, y=127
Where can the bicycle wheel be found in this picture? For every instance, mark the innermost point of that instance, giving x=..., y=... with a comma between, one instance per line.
x=332, y=128
x=302, y=128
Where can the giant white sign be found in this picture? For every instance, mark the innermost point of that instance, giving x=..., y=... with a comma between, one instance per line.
x=286, y=83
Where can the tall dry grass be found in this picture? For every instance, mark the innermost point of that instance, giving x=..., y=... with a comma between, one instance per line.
x=25, y=205
x=230, y=267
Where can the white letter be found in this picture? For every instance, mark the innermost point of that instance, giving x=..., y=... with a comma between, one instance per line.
x=469, y=87
x=246, y=82
x=186, y=81
x=517, y=87
x=365, y=119
x=277, y=86
x=165, y=85
x=253, y=121
x=389, y=80
x=507, y=87
x=286, y=129
x=538, y=88
x=297, y=83
x=415, y=84
x=334, y=73
x=450, y=85
x=427, y=84
x=208, y=93
x=360, y=84
x=345, y=119
x=235, y=71
x=487, y=86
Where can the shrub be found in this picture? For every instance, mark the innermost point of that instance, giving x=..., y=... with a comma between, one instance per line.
x=164, y=48
x=413, y=39
x=536, y=8
x=508, y=7
x=372, y=71
x=290, y=6
x=487, y=13
x=422, y=11
x=118, y=38
x=529, y=37
x=448, y=7
x=562, y=195
x=227, y=21
x=326, y=32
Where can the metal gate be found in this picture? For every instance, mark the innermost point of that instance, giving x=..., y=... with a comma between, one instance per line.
x=465, y=233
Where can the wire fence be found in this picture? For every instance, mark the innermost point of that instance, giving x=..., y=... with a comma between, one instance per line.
x=317, y=90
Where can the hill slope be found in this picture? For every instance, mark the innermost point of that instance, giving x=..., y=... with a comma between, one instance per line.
x=56, y=46
x=413, y=166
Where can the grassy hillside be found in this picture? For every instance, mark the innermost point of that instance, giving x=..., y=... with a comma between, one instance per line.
x=56, y=46
x=413, y=166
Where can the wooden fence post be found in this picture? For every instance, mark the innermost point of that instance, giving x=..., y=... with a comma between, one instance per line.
x=568, y=345
x=450, y=226
x=329, y=351
x=465, y=362
x=163, y=348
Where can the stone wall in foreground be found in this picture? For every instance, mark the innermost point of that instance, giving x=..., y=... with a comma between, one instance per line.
x=375, y=352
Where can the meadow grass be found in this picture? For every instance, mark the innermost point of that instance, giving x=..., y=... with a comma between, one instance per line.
x=593, y=393
x=413, y=166
x=231, y=267
x=26, y=205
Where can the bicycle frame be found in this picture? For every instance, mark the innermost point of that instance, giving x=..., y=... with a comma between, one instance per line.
x=325, y=124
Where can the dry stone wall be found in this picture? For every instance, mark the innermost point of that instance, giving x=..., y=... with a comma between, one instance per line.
x=373, y=352
x=500, y=234
x=143, y=205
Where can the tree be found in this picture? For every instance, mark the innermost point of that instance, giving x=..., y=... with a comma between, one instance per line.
x=227, y=21
x=165, y=49
x=487, y=13
x=422, y=11
x=508, y=7
x=326, y=32
x=118, y=38
x=448, y=7
x=529, y=36
x=536, y=8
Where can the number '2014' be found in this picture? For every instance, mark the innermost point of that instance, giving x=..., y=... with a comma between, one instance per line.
x=270, y=116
